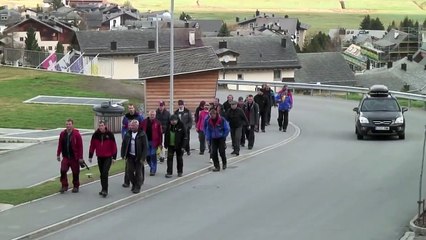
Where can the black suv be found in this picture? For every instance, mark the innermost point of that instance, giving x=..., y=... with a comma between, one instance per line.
x=379, y=113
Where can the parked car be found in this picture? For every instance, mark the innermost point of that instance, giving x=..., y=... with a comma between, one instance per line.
x=379, y=114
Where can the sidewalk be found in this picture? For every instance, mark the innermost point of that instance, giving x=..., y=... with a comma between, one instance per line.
x=61, y=210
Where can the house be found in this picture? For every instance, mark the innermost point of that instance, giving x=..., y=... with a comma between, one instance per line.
x=8, y=17
x=324, y=68
x=355, y=36
x=398, y=44
x=66, y=14
x=256, y=58
x=280, y=25
x=196, y=73
x=49, y=31
x=123, y=46
x=403, y=75
x=209, y=28
x=74, y=3
x=29, y=12
x=91, y=20
x=113, y=21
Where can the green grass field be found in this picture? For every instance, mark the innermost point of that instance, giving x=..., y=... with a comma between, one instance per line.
x=18, y=85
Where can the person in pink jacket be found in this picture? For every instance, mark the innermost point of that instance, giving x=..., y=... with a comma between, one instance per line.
x=200, y=127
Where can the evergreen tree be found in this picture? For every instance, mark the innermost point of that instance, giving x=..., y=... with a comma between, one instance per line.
x=127, y=4
x=57, y=4
x=31, y=41
x=224, y=31
x=376, y=24
x=365, y=23
x=59, y=48
x=392, y=26
x=321, y=42
x=184, y=16
x=424, y=23
x=406, y=23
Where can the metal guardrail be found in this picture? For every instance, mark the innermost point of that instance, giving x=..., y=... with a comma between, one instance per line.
x=322, y=87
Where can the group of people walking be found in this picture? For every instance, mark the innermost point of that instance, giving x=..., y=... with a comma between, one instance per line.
x=164, y=135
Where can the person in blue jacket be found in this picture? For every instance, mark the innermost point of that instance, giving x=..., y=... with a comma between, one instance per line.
x=216, y=130
x=284, y=99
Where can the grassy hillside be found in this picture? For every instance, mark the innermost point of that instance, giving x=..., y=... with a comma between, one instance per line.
x=321, y=15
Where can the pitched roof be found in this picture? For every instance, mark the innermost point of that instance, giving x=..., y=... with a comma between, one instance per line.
x=29, y=18
x=108, y=17
x=12, y=17
x=258, y=52
x=207, y=26
x=186, y=61
x=395, y=78
x=393, y=37
x=132, y=42
x=324, y=67
x=286, y=24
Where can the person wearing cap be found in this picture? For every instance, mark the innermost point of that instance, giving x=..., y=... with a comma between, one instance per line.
x=163, y=116
x=103, y=143
x=174, y=142
x=237, y=119
x=217, y=129
x=241, y=102
x=185, y=117
x=284, y=98
x=200, y=127
x=152, y=128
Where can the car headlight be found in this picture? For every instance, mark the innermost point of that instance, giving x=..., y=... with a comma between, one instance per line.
x=363, y=120
x=399, y=120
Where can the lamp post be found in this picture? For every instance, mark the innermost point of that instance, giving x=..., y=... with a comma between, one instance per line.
x=172, y=55
x=420, y=202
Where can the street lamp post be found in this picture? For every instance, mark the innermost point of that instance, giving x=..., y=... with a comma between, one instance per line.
x=172, y=55
x=420, y=202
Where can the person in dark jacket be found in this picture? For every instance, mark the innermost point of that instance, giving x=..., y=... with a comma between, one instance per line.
x=267, y=91
x=152, y=128
x=241, y=102
x=164, y=117
x=227, y=104
x=185, y=117
x=134, y=149
x=70, y=145
x=218, y=107
x=174, y=142
x=216, y=129
x=263, y=103
x=237, y=119
x=251, y=110
x=132, y=114
x=103, y=143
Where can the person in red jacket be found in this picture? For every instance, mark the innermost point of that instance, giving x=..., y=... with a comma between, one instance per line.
x=70, y=145
x=152, y=128
x=103, y=143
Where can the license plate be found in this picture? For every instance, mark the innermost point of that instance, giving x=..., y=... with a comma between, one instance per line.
x=382, y=128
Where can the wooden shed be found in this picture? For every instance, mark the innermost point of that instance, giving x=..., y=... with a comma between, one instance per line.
x=195, y=77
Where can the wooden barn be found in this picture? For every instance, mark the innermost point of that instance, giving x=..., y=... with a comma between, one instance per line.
x=195, y=77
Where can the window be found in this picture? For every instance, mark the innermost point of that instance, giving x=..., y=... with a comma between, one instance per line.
x=21, y=39
x=50, y=48
x=4, y=17
x=43, y=48
x=240, y=76
x=136, y=60
x=277, y=75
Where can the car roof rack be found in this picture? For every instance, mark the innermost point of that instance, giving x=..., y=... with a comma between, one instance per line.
x=378, y=91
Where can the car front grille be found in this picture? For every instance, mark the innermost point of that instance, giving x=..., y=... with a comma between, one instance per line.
x=382, y=122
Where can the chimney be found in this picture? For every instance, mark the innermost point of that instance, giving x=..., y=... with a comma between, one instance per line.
x=238, y=33
x=404, y=66
x=237, y=19
x=187, y=25
x=389, y=65
x=151, y=44
x=257, y=13
x=410, y=57
x=223, y=44
x=192, y=38
x=113, y=45
x=283, y=42
x=27, y=16
x=168, y=24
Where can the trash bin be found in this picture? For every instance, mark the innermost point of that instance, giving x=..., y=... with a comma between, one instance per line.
x=111, y=113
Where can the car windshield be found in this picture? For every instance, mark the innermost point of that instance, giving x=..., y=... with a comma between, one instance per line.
x=380, y=105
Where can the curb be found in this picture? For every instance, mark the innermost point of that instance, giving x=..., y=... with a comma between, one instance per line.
x=11, y=139
x=416, y=229
x=147, y=193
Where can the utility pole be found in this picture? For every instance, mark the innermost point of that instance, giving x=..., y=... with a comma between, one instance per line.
x=172, y=55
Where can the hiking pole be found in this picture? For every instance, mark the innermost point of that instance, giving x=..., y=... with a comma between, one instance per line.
x=420, y=202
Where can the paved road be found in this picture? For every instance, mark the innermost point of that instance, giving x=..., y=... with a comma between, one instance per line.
x=323, y=185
